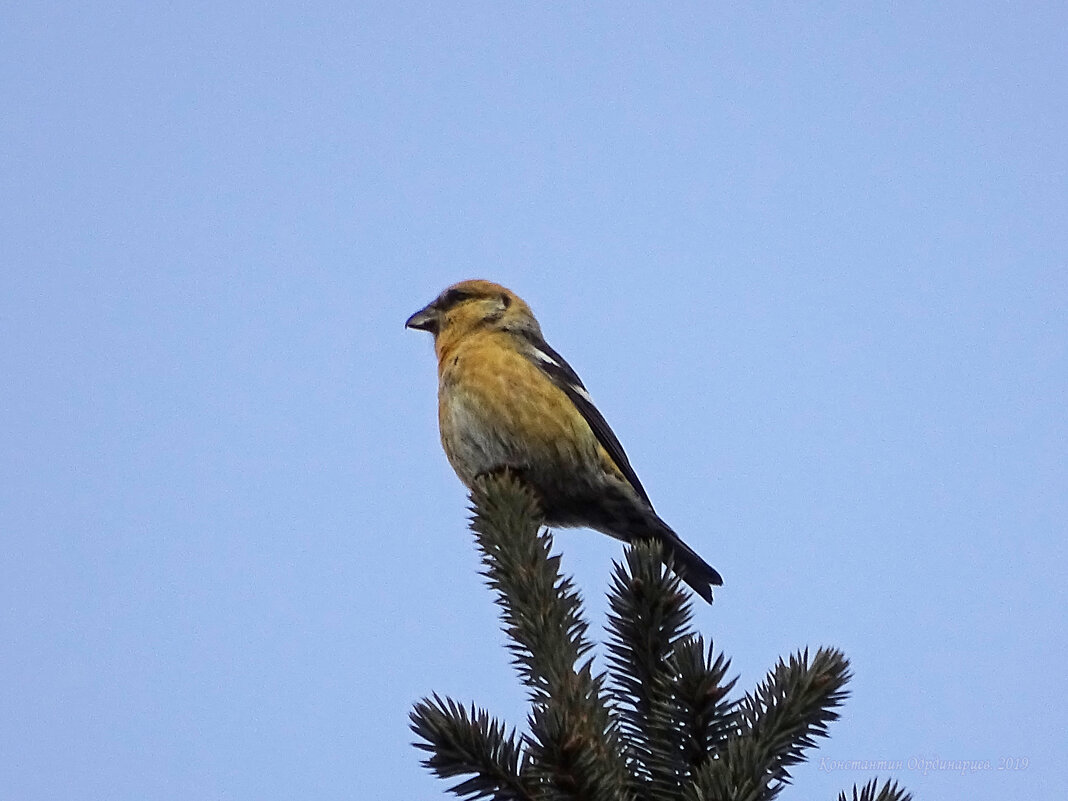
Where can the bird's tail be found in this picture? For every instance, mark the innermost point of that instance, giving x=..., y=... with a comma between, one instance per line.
x=691, y=568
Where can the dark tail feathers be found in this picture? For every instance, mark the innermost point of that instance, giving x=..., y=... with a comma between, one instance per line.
x=691, y=568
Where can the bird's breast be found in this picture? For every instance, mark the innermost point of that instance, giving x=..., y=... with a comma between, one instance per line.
x=496, y=409
x=472, y=441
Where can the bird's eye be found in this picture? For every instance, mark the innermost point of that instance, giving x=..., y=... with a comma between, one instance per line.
x=454, y=297
x=506, y=301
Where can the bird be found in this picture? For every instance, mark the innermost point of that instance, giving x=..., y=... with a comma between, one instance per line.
x=508, y=401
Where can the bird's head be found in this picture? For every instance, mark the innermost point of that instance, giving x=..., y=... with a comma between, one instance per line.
x=469, y=306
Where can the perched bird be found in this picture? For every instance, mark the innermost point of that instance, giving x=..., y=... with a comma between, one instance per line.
x=508, y=400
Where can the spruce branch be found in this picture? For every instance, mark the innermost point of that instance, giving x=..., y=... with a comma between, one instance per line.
x=706, y=714
x=890, y=791
x=541, y=609
x=775, y=725
x=462, y=742
x=573, y=745
x=649, y=615
x=668, y=730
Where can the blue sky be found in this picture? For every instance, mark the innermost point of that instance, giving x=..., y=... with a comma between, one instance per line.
x=810, y=260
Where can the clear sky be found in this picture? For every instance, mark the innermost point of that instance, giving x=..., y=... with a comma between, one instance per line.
x=811, y=261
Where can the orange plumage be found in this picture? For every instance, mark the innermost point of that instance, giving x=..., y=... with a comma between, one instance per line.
x=508, y=400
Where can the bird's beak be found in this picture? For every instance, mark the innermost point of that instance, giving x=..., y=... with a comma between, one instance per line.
x=426, y=319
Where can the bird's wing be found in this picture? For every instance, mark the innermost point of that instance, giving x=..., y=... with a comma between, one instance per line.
x=562, y=375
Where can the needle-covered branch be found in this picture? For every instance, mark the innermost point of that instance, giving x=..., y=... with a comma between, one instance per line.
x=775, y=725
x=890, y=791
x=470, y=743
x=660, y=727
x=572, y=745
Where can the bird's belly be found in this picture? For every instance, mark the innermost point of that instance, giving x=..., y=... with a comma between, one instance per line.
x=475, y=440
x=484, y=432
